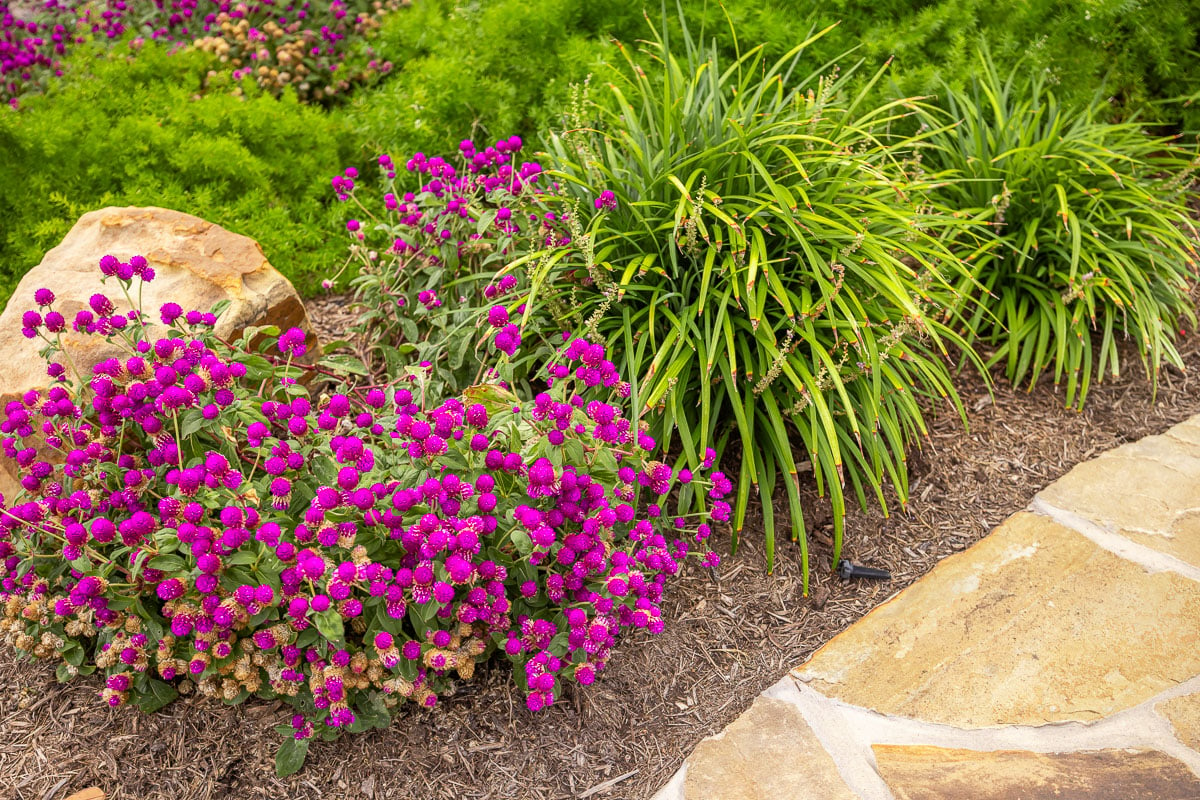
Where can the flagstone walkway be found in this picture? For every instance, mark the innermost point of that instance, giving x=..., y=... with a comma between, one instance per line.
x=1057, y=658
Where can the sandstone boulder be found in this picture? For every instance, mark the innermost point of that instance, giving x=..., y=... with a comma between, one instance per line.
x=196, y=264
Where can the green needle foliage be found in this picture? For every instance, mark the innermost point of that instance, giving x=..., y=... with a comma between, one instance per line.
x=1090, y=238
x=768, y=272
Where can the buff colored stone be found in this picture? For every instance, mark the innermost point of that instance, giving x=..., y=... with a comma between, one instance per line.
x=934, y=773
x=768, y=752
x=1184, y=715
x=1034, y=624
x=197, y=264
x=1148, y=491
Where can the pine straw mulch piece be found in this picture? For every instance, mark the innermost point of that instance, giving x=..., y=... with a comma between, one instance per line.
x=728, y=637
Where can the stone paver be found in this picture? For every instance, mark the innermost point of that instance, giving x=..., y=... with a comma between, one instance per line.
x=1058, y=657
x=1146, y=491
x=1184, y=715
x=768, y=752
x=935, y=773
x=1019, y=630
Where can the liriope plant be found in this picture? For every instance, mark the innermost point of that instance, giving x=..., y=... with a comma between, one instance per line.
x=1088, y=239
x=764, y=260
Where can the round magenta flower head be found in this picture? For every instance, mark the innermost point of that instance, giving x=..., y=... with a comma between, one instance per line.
x=497, y=316
x=43, y=297
x=353, y=225
x=348, y=478
x=291, y=342
x=607, y=201
x=101, y=305
x=477, y=416
x=170, y=312
x=109, y=265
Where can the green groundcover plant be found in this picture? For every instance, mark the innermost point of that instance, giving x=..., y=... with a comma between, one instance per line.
x=1088, y=241
x=765, y=262
x=195, y=519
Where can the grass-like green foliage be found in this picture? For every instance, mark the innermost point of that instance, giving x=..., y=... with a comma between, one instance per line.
x=131, y=131
x=767, y=273
x=1089, y=240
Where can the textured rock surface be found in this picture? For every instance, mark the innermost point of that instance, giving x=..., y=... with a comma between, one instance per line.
x=769, y=752
x=1147, y=491
x=197, y=264
x=934, y=773
x=1184, y=716
x=1034, y=624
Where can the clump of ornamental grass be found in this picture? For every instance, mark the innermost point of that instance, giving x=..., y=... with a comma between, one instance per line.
x=1085, y=238
x=438, y=244
x=764, y=261
x=194, y=519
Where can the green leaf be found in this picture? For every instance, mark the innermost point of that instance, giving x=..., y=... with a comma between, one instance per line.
x=166, y=563
x=329, y=623
x=344, y=364
x=290, y=758
x=157, y=695
x=485, y=220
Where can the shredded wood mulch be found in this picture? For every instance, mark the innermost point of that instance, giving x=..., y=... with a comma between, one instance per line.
x=729, y=636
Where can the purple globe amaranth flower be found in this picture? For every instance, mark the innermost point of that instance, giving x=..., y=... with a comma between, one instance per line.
x=170, y=312
x=607, y=201
x=292, y=343
x=498, y=316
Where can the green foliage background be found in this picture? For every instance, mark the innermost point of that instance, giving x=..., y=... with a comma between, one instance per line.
x=127, y=130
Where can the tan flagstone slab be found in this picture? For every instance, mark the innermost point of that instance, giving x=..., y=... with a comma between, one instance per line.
x=768, y=752
x=1034, y=624
x=934, y=773
x=1184, y=715
x=1148, y=491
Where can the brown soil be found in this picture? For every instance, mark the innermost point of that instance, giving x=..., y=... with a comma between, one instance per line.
x=728, y=637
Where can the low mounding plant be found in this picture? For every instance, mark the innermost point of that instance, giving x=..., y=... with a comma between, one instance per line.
x=1089, y=239
x=208, y=524
x=762, y=261
x=434, y=250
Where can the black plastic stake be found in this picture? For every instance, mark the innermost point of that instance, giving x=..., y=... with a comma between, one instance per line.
x=848, y=571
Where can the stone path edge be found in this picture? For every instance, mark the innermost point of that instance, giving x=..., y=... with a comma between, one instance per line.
x=849, y=732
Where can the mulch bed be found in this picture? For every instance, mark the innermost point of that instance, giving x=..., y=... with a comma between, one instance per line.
x=729, y=636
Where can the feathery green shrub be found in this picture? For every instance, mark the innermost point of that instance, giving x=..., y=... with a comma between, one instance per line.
x=121, y=130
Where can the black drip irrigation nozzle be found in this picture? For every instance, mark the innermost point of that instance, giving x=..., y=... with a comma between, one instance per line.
x=847, y=571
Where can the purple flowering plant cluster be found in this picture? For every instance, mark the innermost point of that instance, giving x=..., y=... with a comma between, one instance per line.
x=447, y=255
x=218, y=518
x=315, y=46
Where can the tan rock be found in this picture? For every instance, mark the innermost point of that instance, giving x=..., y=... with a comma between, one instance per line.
x=934, y=773
x=1148, y=491
x=768, y=752
x=197, y=264
x=1184, y=715
x=1034, y=624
